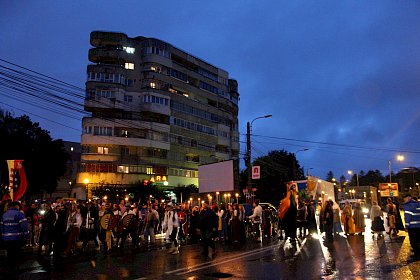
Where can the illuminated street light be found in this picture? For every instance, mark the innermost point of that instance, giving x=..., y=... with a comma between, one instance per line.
x=399, y=158
x=86, y=181
x=350, y=172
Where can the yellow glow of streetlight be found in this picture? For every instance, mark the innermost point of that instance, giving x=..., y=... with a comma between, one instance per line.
x=86, y=181
x=400, y=157
x=105, y=197
x=349, y=172
x=217, y=193
x=236, y=194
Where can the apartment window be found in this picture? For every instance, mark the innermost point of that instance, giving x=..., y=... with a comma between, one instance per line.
x=129, y=65
x=122, y=169
x=100, y=130
x=88, y=129
x=128, y=98
x=106, y=93
x=178, y=75
x=208, y=87
x=103, y=150
x=152, y=84
x=129, y=50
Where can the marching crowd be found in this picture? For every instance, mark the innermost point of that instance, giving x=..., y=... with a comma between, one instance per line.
x=55, y=228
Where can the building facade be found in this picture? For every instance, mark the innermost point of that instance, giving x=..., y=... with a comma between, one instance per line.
x=157, y=113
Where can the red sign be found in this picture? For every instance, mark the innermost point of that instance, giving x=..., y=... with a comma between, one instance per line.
x=255, y=172
x=388, y=189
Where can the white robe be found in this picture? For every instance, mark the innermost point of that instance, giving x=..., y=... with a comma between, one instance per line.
x=169, y=223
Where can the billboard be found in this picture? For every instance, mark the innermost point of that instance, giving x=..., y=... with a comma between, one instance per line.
x=388, y=189
x=216, y=177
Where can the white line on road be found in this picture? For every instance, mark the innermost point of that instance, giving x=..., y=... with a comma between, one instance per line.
x=235, y=257
x=300, y=248
x=210, y=262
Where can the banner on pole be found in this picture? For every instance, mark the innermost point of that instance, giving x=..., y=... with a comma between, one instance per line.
x=17, y=179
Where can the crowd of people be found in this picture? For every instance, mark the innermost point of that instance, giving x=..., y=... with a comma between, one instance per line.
x=57, y=228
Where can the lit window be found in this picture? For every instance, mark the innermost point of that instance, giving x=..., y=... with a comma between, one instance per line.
x=149, y=170
x=123, y=169
x=129, y=65
x=103, y=150
x=153, y=68
x=153, y=85
x=129, y=49
x=185, y=94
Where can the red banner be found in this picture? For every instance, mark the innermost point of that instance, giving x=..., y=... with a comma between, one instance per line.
x=17, y=179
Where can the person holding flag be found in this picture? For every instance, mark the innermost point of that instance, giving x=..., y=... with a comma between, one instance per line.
x=288, y=211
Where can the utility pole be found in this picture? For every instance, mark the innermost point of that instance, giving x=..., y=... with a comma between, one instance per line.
x=248, y=161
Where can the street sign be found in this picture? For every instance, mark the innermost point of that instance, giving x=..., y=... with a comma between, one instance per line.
x=255, y=172
x=388, y=189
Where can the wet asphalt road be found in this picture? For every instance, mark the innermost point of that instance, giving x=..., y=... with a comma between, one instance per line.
x=353, y=257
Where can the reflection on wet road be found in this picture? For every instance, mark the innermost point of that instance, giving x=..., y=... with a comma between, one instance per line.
x=352, y=257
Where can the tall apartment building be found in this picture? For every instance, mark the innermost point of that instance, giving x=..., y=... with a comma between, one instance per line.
x=157, y=113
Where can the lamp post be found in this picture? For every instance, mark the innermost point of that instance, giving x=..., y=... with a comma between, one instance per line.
x=248, y=148
x=237, y=198
x=307, y=171
x=350, y=172
x=86, y=181
x=399, y=158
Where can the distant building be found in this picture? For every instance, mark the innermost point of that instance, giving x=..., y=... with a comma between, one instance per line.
x=66, y=184
x=157, y=113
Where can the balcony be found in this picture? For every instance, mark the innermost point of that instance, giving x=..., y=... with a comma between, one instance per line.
x=101, y=39
x=114, y=56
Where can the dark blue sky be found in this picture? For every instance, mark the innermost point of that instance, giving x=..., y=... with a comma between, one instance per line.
x=340, y=72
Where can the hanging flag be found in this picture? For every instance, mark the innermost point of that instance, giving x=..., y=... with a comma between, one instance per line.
x=17, y=179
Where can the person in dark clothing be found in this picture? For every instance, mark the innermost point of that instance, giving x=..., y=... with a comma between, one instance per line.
x=90, y=222
x=328, y=220
x=310, y=219
x=194, y=219
x=301, y=219
x=60, y=228
x=47, y=230
x=208, y=227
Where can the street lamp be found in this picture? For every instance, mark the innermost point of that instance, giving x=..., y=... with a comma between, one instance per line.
x=399, y=158
x=350, y=172
x=248, y=147
x=237, y=198
x=86, y=181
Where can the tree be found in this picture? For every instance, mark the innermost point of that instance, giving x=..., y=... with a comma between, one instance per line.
x=277, y=168
x=44, y=159
x=330, y=176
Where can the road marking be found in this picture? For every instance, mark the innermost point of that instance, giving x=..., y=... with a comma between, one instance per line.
x=210, y=262
x=300, y=248
x=235, y=257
